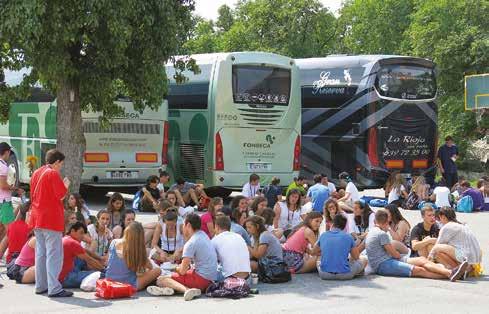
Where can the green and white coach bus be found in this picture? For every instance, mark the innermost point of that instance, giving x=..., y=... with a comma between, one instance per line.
x=133, y=147
x=240, y=115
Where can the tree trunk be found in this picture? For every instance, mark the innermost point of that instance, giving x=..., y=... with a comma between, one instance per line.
x=70, y=138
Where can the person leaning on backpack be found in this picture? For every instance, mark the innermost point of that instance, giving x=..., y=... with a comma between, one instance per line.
x=47, y=219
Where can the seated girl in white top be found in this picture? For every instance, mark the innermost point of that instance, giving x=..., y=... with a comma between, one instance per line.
x=100, y=234
x=168, y=238
x=364, y=219
x=288, y=213
x=351, y=193
x=396, y=190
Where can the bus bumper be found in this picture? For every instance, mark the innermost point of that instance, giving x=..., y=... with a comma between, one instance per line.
x=235, y=181
x=118, y=176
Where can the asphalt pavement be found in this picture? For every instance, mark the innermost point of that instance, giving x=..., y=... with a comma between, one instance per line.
x=304, y=294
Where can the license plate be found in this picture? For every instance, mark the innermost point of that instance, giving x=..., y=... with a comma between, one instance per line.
x=122, y=174
x=259, y=167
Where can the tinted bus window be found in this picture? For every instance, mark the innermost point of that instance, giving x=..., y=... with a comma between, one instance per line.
x=261, y=85
x=406, y=82
x=329, y=88
x=188, y=96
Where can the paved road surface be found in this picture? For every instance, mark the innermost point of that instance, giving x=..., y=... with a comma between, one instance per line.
x=305, y=294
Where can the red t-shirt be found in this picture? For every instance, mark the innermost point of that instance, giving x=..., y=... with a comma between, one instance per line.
x=71, y=249
x=204, y=220
x=48, y=191
x=17, y=233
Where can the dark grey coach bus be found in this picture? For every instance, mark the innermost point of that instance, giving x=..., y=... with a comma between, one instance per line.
x=368, y=115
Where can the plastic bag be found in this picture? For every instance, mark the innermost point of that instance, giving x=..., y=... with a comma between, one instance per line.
x=108, y=289
x=90, y=282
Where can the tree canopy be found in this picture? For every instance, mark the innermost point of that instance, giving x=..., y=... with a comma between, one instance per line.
x=93, y=51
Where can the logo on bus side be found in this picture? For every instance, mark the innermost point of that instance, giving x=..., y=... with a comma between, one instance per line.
x=325, y=80
x=269, y=138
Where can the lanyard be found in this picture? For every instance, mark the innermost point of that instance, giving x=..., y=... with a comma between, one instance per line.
x=168, y=239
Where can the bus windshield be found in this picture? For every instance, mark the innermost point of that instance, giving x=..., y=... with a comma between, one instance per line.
x=261, y=85
x=406, y=82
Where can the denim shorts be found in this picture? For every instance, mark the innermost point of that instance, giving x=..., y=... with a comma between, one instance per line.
x=395, y=268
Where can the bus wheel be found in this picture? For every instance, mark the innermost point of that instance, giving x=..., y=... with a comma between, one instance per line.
x=13, y=161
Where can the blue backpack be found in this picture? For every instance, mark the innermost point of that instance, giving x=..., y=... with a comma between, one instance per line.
x=465, y=204
x=378, y=202
x=136, y=203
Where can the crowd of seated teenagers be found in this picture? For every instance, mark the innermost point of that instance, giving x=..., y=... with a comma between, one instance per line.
x=286, y=233
x=398, y=192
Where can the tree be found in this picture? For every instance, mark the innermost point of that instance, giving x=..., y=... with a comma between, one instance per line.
x=374, y=27
x=295, y=28
x=203, y=38
x=88, y=52
x=225, y=18
x=455, y=34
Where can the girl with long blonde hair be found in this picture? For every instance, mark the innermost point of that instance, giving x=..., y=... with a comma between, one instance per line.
x=128, y=261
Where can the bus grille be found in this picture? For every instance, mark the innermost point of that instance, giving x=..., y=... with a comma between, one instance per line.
x=192, y=161
x=130, y=128
x=261, y=117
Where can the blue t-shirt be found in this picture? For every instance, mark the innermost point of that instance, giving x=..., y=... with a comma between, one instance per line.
x=445, y=154
x=200, y=250
x=237, y=228
x=335, y=247
x=318, y=193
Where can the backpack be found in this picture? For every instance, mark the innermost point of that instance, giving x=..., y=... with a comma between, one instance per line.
x=465, y=204
x=231, y=287
x=412, y=201
x=136, y=202
x=378, y=202
x=272, y=270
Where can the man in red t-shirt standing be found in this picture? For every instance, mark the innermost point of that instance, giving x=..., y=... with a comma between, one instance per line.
x=47, y=219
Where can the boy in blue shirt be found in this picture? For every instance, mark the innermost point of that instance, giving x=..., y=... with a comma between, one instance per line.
x=335, y=247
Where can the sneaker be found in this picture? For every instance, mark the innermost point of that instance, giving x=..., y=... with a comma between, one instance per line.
x=159, y=291
x=61, y=294
x=458, y=272
x=42, y=292
x=191, y=294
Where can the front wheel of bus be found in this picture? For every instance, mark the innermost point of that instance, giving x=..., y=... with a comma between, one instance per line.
x=13, y=161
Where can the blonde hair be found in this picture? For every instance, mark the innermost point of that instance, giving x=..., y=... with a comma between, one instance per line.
x=134, y=248
x=420, y=181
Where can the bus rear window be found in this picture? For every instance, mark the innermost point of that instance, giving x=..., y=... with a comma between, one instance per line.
x=261, y=85
x=406, y=82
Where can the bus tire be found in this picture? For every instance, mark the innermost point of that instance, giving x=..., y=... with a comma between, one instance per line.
x=13, y=161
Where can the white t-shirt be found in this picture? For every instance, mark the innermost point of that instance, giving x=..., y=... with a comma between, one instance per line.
x=331, y=188
x=250, y=191
x=394, y=194
x=352, y=189
x=442, y=194
x=232, y=253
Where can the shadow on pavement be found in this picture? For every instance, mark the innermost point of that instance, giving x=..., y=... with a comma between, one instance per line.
x=82, y=302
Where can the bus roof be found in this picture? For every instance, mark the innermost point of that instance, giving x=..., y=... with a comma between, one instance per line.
x=336, y=61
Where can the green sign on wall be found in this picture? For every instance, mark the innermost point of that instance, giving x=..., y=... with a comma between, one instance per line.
x=477, y=91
